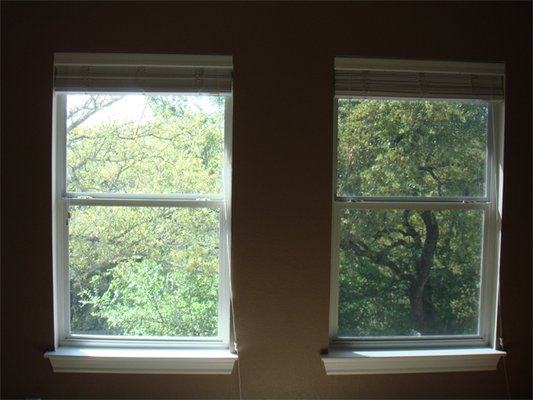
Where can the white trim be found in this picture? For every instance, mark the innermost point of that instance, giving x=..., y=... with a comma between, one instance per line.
x=414, y=199
x=152, y=342
x=142, y=361
x=335, y=236
x=410, y=361
x=145, y=196
x=133, y=202
x=334, y=275
x=60, y=233
x=494, y=221
x=224, y=304
x=58, y=213
x=409, y=342
x=359, y=64
x=412, y=205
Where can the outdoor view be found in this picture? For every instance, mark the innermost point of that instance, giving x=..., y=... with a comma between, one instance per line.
x=144, y=270
x=410, y=271
x=154, y=270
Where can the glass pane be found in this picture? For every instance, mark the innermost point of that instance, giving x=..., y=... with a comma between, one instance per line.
x=144, y=271
x=411, y=148
x=145, y=143
x=409, y=272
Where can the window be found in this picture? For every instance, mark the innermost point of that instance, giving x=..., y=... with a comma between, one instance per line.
x=142, y=213
x=416, y=216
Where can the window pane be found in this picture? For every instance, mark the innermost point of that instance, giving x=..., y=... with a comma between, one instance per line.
x=145, y=143
x=144, y=270
x=409, y=272
x=411, y=148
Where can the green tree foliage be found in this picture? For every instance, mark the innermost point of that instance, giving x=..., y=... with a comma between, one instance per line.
x=145, y=298
x=173, y=146
x=410, y=271
x=154, y=270
x=144, y=270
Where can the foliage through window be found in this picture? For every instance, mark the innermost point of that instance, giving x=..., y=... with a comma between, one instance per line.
x=415, y=210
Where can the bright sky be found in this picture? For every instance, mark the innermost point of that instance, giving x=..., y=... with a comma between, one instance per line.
x=131, y=107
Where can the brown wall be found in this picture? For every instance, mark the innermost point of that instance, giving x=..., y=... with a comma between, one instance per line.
x=283, y=88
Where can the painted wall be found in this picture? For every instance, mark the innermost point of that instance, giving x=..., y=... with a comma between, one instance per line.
x=283, y=115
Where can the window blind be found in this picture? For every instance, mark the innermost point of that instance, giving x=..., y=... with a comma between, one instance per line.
x=142, y=73
x=418, y=79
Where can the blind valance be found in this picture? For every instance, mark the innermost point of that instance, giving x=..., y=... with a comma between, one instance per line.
x=419, y=79
x=142, y=73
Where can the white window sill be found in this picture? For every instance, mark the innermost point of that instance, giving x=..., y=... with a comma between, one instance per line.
x=350, y=362
x=142, y=361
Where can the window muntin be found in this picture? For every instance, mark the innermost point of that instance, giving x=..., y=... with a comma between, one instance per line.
x=142, y=202
x=380, y=126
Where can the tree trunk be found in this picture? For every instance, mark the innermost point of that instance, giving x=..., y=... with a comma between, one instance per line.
x=420, y=297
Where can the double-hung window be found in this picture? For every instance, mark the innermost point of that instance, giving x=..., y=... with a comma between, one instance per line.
x=416, y=216
x=141, y=204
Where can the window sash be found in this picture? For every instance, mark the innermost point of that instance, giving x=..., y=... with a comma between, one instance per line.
x=62, y=200
x=495, y=113
x=487, y=284
x=66, y=338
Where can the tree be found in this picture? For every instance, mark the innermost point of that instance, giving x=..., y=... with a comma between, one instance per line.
x=143, y=298
x=410, y=271
x=144, y=270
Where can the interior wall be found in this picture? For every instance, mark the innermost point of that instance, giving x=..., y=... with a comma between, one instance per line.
x=282, y=178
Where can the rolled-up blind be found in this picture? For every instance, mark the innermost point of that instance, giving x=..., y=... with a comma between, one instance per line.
x=142, y=73
x=418, y=79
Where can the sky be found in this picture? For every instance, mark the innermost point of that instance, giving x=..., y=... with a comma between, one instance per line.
x=131, y=108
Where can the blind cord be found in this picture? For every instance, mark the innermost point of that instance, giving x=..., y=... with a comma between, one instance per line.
x=235, y=342
x=234, y=326
x=502, y=347
x=499, y=322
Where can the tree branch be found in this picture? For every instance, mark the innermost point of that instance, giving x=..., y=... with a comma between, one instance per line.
x=378, y=257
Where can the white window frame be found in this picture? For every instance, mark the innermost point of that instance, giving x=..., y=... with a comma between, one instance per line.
x=123, y=354
x=374, y=355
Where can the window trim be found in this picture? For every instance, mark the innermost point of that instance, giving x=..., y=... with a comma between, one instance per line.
x=374, y=355
x=101, y=353
x=142, y=360
x=363, y=362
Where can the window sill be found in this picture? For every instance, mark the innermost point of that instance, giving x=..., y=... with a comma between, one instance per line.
x=141, y=361
x=349, y=362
